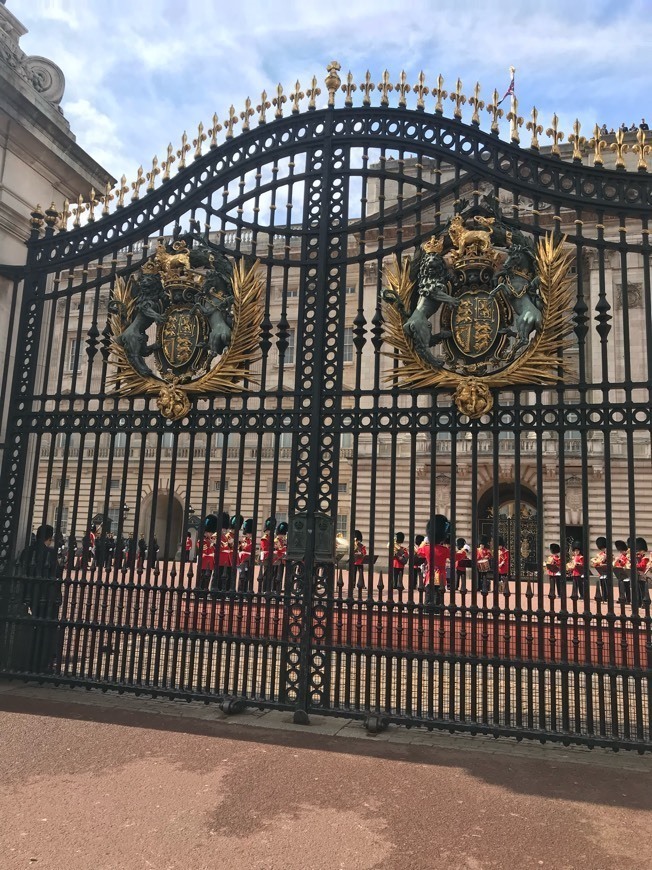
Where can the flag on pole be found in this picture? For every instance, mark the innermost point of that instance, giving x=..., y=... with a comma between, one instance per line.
x=510, y=90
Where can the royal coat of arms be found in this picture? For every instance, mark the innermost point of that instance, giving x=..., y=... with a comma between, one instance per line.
x=504, y=310
x=195, y=314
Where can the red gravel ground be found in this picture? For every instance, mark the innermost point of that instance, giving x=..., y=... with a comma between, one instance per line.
x=104, y=787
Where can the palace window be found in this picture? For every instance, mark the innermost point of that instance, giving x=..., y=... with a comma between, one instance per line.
x=348, y=344
x=72, y=359
x=342, y=524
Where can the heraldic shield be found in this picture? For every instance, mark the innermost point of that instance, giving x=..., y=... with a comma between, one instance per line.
x=197, y=315
x=503, y=305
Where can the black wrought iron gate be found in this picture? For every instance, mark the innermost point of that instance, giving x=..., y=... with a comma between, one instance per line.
x=320, y=434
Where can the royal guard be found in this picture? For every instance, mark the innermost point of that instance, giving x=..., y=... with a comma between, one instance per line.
x=235, y=527
x=265, y=550
x=222, y=572
x=207, y=568
x=642, y=565
x=600, y=562
x=437, y=553
x=577, y=569
x=483, y=557
x=399, y=560
x=188, y=545
x=553, y=567
x=245, y=549
x=503, y=566
x=280, y=549
x=419, y=562
x=622, y=564
x=357, y=558
x=461, y=555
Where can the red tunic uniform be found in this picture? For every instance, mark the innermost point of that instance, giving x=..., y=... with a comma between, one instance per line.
x=245, y=549
x=503, y=561
x=280, y=548
x=578, y=565
x=226, y=550
x=265, y=546
x=359, y=552
x=554, y=564
x=440, y=555
x=400, y=557
x=207, y=554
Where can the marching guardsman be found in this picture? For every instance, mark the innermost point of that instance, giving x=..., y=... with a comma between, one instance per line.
x=235, y=526
x=280, y=549
x=601, y=564
x=483, y=557
x=245, y=550
x=553, y=567
x=419, y=562
x=224, y=557
x=503, y=566
x=265, y=556
x=642, y=565
x=399, y=560
x=461, y=555
x=358, y=557
x=437, y=553
x=623, y=563
x=577, y=569
x=207, y=564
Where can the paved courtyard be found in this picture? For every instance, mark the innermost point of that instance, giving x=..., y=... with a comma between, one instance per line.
x=121, y=783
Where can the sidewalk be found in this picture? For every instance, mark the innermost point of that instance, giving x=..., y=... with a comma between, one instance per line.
x=92, y=781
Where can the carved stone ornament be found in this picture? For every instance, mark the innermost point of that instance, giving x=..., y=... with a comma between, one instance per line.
x=505, y=310
x=192, y=311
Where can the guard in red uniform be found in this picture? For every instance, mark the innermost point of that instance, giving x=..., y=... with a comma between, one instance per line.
x=622, y=562
x=601, y=564
x=553, y=567
x=577, y=571
x=357, y=558
x=437, y=553
x=642, y=565
x=399, y=560
x=208, y=553
x=235, y=526
x=265, y=557
x=224, y=557
x=245, y=550
x=483, y=556
x=461, y=555
x=419, y=563
x=280, y=549
x=503, y=566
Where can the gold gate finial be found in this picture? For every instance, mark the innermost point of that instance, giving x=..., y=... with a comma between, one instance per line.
x=578, y=142
x=136, y=185
x=402, y=88
x=421, y=90
x=167, y=163
x=92, y=202
x=495, y=111
x=367, y=87
x=121, y=191
x=201, y=137
x=440, y=94
x=214, y=130
x=384, y=88
x=515, y=121
x=553, y=132
x=459, y=99
x=349, y=88
x=246, y=114
x=151, y=175
x=332, y=81
x=620, y=147
x=278, y=101
x=230, y=124
x=477, y=104
x=296, y=96
x=535, y=128
x=312, y=93
x=598, y=145
x=64, y=217
x=106, y=199
x=262, y=108
x=78, y=211
x=642, y=149
x=185, y=148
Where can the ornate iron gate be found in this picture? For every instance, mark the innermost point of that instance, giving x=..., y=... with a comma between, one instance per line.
x=321, y=423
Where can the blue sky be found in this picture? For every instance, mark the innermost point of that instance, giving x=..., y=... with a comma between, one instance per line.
x=139, y=72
